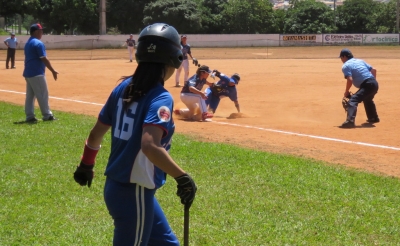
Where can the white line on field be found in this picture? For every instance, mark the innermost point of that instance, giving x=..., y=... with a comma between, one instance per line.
x=311, y=136
x=58, y=98
x=251, y=127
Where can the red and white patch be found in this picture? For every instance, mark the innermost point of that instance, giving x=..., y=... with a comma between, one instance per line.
x=164, y=114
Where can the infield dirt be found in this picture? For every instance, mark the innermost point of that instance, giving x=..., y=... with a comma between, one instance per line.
x=290, y=99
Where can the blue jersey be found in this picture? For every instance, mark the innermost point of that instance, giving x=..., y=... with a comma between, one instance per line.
x=12, y=42
x=194, y=81
x=358, y=69
x=34, y=49
x=186, y=50
x=131, y=42
x=127, y=163
x=227, y=90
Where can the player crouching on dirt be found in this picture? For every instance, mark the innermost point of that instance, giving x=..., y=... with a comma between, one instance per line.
x=193, y=97
x=225, y=87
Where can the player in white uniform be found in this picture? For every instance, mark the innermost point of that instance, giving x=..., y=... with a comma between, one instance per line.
x=193, y=97
x=130, y=42
x=185, y=64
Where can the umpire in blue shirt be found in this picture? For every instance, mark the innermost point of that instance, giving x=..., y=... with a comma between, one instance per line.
x=362, y=76
x=11, y=44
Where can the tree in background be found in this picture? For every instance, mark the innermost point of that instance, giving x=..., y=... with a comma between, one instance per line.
x=386, y=19
x=248, y=16
x=127, y=15
x=74, y=15
x=181, y=14
x=358, y=16
x=280, y=17
x=212, y=21
x=309, y=16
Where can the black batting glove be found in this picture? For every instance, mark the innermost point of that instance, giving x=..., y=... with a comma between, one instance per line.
x=84, y=174
x=186, y=189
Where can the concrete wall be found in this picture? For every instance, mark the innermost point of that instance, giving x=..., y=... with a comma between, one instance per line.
x=214, y=40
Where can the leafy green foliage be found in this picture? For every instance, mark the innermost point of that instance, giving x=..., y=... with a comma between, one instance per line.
x=357, y=16
x=207, y=16
x=309, y=16
x=212, y=20
x=385, y=20
x=127, y=15
x=248, y=16
x=182, y=14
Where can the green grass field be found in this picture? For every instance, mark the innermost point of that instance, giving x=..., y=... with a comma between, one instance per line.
x=245, y=197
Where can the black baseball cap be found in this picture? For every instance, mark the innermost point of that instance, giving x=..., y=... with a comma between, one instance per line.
x=205, y=68
x=345, y=52
x=35, y=27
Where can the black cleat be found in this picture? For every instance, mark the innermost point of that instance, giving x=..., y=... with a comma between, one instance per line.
x=32, y=120
x=51, y=118
x=373, y=120
x=348, y=124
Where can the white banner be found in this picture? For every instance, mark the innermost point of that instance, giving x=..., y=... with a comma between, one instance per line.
x=342, y=38
x=380, y=38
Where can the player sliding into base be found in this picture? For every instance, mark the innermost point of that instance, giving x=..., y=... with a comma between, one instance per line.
x=225, y=87
x=193, y=97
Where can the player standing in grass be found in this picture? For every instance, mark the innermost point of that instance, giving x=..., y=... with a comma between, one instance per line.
x=11, y=44
x=130, y=42
x=34, y=72
x=138, y=112
x=185, y=64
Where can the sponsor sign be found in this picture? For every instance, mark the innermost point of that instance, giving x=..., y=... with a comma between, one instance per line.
x=380, y=38
x=342, y=38
x=299, y=39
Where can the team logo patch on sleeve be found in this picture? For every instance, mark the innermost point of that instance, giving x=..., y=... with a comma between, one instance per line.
x=164, y=114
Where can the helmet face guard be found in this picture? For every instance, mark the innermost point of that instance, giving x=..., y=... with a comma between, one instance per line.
x=159, y=43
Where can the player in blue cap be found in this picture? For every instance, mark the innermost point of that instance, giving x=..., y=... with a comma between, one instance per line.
x=362, y=76
x=225, y=87
x=138, y=111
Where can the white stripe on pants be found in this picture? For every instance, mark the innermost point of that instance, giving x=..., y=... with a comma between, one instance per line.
x=185, y=66
x=36, y=87
x=192, y=101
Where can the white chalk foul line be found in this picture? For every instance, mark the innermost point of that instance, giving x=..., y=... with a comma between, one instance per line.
x=311, y=136
x=58, y=98
x=251, y=127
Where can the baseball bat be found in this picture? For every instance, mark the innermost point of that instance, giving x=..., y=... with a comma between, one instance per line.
x=186, y=225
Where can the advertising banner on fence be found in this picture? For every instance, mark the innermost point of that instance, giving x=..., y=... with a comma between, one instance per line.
x=380, y=38
x=330, y=39
x=300, y=39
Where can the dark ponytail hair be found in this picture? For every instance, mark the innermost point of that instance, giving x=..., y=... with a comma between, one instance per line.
x=146, y=76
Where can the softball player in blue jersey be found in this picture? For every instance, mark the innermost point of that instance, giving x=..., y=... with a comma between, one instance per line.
x=193, y=97
x=185, y=64
x=138, y=111
x=363, y=76
x=225, y=87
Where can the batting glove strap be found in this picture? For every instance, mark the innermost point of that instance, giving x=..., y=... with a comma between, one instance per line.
x=186, y=189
